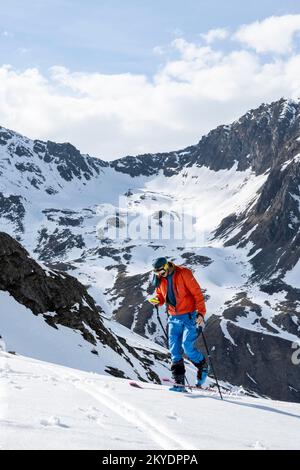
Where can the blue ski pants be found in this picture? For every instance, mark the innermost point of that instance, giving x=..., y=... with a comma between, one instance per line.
x=182, y=337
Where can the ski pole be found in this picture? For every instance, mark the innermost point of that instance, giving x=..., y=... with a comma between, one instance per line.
x=167, y=339
x=160, y=322
x=210, y=361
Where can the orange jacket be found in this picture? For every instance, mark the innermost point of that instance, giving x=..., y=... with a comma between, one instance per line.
x=187, y=291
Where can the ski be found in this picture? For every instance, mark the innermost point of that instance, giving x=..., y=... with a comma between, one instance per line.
x=135, y=384
x=209, y=390
x=171, y=382
x=193, y=387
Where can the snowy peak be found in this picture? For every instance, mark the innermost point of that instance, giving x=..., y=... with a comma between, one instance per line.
x=69, y=162
x=44, y=164
x=258, y=140
x=38, y=173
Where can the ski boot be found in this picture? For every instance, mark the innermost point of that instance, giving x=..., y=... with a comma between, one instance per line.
x=179, y=385
x=178, y=373
x=202, y=373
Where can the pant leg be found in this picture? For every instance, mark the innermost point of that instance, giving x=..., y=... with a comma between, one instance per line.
x=190, y=335
x=175, y=328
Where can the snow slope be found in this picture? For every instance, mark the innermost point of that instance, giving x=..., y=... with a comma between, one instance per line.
x=46, y=406
x=29, y=335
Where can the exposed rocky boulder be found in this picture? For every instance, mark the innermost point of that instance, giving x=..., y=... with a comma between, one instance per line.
x=44, y=291
x=12, y=209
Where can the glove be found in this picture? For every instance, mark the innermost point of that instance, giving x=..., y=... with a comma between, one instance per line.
x=200, y=320
x=153, y=301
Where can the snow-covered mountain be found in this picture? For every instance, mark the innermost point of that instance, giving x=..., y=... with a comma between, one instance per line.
x=240, y=189
x=73, y=409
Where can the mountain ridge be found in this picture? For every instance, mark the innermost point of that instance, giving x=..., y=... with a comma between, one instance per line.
x=284, y=109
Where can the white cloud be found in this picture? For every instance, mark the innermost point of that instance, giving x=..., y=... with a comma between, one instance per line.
x=159, y=50
x=115, y=115
x=192, y=53
x=177, y=32
x=23, y=50
x=6, y=34
x=274, y=34
x=213, y=35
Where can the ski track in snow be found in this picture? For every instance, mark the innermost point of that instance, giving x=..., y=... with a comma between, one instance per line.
x=136, y=417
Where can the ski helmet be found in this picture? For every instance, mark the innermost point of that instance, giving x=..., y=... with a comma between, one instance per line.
x=160, y=263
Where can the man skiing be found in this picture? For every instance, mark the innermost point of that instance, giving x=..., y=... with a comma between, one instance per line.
x=177, y=287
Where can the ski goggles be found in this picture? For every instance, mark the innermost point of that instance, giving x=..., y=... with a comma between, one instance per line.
x=161, y=270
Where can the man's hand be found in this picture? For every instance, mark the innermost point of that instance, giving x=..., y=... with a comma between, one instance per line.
x=200, y=320
x=154, y=301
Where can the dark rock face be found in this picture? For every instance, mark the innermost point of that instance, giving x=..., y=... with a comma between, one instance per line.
x=12, y=208
x=249, y=349
x=5, y=136
x=254, y=141
x=69, y=161
x=149, y=164
x=274, y=222
x=193, y=259
x=258, y=140
x=261, y=363
x=22, y=151
x=288, y=316
x=44, y=292
x=57, y=244
x=129, y=289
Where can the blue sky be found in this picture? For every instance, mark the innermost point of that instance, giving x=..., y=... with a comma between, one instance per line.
x=118, y=77
x=114, y=36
